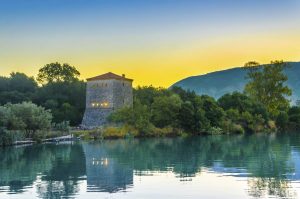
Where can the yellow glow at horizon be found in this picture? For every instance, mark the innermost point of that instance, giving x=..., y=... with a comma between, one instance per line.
x=166, y=65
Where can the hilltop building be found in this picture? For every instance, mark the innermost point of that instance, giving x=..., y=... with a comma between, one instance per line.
x=105, y=94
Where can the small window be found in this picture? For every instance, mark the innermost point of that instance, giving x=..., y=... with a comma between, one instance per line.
x=104, y=104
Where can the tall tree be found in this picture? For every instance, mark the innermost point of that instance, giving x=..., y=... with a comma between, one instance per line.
x=165, y=110
x=17, y=88
x=267, y=85
x=22, y=83
x=55, y=72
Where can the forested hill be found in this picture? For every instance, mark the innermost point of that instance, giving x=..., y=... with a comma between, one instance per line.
x=219, y=83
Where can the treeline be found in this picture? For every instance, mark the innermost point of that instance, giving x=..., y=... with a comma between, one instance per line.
x=57, y=88
x=263, y=107
x=42, y=107
x=56, y=98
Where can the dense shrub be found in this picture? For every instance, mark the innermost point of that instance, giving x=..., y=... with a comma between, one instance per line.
x=194, y=114
x=26, y=117
x=6, y=138
x=62, y=126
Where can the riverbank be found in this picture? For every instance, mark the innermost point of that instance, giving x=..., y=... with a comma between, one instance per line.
x=127, y=131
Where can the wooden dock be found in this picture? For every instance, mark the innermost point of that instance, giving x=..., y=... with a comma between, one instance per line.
x=60, y=139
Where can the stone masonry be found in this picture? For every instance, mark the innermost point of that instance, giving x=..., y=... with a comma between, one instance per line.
x=105, y=94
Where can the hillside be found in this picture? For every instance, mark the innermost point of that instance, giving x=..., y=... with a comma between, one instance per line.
x=219, y=83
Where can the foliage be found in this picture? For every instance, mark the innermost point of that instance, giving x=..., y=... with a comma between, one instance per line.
x=62, y=126
x=139, y=116
x=66, y=100
x=165, y=110
x=61, y=91
x=294, y=118
x=17, y=88
x=26, y=117
x=56, y=72
x=119, y=132
x=146, y=94
x=193, y=114
x=192, y=119
x=6, y=138
x=282, y=120
x=267, y=85
x=213, y=112
x=113, y=132
x=155, y=111
x=240, y=102
x=214, y=131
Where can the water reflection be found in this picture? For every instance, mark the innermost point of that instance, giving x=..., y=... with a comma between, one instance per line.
x=105, y=173
x=269, y=165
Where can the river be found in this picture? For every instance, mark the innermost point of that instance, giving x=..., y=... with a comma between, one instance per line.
x=233, y=166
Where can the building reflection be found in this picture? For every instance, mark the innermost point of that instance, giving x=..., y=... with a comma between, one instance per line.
x=105, y=173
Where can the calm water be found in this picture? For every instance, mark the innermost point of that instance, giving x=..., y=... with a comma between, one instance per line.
x=260, y=166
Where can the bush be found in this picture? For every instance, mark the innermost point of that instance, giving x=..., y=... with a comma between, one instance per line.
x=62, y=126
x=6, y=138
x=119, y=132
x=165, y=132
x=229, y=127
x=237, y=129
x=214, y=131
x=113, y=132
x=26, y=117
x=137, y=117
x=282, y=120
x=272, y=125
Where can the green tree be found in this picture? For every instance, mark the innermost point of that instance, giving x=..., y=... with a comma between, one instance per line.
x=282, y=120
x=146, y=94
x=192, y=119
x=22, y=83
x=165, y=110
x=4, y=84
x=55, y=72
x=213, y=112
x=267, y=85
x=25, y=116
x=241, y=103
x=17, y=88
x=137, y=116
x=294, y=118
x=66, y=100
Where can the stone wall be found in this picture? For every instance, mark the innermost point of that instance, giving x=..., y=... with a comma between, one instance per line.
x=103, y=97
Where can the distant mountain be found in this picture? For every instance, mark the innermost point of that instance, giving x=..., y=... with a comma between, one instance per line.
x=216, y=84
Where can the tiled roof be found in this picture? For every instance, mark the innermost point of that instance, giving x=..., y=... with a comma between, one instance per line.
x=109, y=76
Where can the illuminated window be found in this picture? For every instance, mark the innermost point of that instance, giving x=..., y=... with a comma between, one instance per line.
x=104, y=104
x=100, y=104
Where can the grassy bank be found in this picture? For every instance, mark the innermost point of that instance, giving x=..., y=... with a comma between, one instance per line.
x=127, y=131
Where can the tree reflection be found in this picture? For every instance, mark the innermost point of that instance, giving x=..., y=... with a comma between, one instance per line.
x=261, y=187
x=266, y=160
x=59, y=167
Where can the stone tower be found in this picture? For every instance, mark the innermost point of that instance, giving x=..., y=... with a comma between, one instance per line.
x=104, y=94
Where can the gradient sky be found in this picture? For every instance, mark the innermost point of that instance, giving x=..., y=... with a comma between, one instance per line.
x=155, y=42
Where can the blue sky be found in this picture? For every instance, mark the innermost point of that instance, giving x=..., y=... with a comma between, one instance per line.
x=140, y=36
